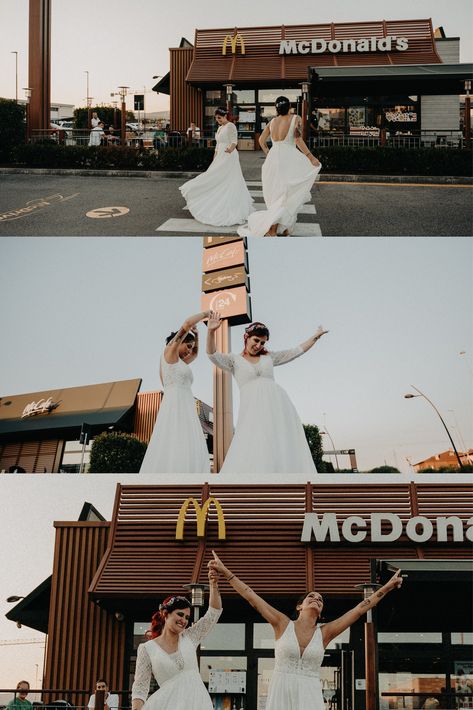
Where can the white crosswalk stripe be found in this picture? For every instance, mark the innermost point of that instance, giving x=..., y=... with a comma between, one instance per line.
x=189, y=226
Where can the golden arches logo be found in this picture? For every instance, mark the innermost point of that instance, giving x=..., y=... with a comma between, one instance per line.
x=201, y=514
x=233, y=41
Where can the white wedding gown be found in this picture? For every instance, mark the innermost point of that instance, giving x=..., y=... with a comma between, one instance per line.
x=177, y=443
x=177, y=674
x=219, y=196
x=269, y=437
x=295, y=683
x=287, y=177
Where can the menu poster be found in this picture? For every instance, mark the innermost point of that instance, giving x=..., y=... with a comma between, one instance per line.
x=227, y=681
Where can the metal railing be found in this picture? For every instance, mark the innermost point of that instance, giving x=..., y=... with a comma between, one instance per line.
x=416, y=139
x=447, y=700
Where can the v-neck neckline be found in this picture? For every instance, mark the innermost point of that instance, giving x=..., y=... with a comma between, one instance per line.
x=249, y=361
x=301, y=655
x=155, y=643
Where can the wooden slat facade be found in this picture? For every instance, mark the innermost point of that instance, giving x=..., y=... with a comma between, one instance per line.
x=264, y=525
x=186, y=101
x=146, y=411
x=34, y=456
x=261, y=65
x=85, y=642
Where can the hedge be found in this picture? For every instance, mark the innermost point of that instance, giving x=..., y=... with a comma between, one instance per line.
x=12, y=127
x=116, y=452
x=47, y=155
x=335, y=159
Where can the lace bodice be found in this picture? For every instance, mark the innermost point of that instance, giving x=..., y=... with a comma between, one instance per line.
x=153, y=660
x=178, y=373
x=290, y=137
x=288, y=658
x=225, y=136
x=245, y=371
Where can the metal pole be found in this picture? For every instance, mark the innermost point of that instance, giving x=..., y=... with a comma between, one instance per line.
x=222, y=402
x=16, y=76
x=83, y=453
x=441, y=419
x=467, y=120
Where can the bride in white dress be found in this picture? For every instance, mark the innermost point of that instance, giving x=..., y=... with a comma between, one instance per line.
x=170, y=656
x=177, y=444
x=219, y=196
x=288, y=174
x=299, y=649
x=269, y=437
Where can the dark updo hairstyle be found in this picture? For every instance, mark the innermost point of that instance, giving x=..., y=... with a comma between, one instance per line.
x=258, y=329
x=159, y=617
x=190, y=337
x=221, y=111
x=283, y=105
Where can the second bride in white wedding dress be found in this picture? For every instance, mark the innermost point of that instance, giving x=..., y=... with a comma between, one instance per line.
x=269, y=437
x=177, y=443
x=288, y=174
x=219, y=197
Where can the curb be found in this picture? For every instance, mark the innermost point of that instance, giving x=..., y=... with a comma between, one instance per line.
x=157, y=174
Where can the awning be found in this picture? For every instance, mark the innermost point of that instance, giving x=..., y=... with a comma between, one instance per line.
x=431, y=79
x=65, y=410
x=164, y=85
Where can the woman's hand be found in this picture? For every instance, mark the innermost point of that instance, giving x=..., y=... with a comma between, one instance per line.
x=213, y=576
x=396, y=581
x=320, y=331
x=229, y=149
x=214, y=321
x=315, y=162
x=218, y=567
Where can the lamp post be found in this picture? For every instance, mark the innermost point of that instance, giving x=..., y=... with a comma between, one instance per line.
x=197, y=596
x=13, y=599
x=87, y=100
x=16, y=75
x=331, y=441
x=467, y=116
x=27, y=91
x=305, y=86
x=123, y=90
x=421, y=394
x=228, y=94
x=371, y=650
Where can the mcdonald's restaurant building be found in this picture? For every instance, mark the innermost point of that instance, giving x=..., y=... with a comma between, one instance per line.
x=40, y=431
x=108, y=578
x=354, y=78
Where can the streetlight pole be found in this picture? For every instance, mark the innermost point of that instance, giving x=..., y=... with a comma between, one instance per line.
x=16, y=75
x=27, y=91
x=421, y=394
x=331, y=441
x=88, y=99
x=467, y=116
x=305, y=86
x=123, y=92
x=371, y=670
x=197, y=597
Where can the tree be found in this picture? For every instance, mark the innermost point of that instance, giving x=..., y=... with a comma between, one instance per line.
x=314, y=439
x=12, y=127
x=116, y=452
x=384, y=469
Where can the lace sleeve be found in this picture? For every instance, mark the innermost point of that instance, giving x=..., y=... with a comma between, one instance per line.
x=143, y=674
x=223, y=360
x=283, y=356
x=204, y=626
x=232, y=133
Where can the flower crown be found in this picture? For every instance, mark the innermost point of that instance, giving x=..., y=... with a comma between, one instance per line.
x=173, y=600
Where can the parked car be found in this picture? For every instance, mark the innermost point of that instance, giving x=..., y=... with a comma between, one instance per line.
x=132, y=127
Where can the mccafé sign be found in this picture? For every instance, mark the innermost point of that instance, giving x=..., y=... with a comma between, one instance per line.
x=335, y=46
x=42, y=406
x=201, y=515
x=384, y=527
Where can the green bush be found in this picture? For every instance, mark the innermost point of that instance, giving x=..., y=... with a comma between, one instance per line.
x=12, y=127
x=395, y=161
x=116, y=452
x=314, y=440
x=45, y=154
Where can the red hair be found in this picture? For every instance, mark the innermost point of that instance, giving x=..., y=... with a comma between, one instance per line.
x=159, y=617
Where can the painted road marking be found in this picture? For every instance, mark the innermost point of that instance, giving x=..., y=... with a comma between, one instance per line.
x=305, y=209
x=192, y=226
x=107, y=212
x=390, y=184
x=34, y=206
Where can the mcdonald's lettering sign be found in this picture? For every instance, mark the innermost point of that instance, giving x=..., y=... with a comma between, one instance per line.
x=201, y=514
x=233, y=42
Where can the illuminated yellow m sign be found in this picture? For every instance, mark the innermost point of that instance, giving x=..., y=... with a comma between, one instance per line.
x=202, y=514
x=233, y=42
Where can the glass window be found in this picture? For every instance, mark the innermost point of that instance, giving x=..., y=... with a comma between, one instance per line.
x=328, y=119
x=263, y=636
x=463, y=638
x=408, y=637
x=265, y=671
x=342, y=638
x=244, y=96
x=225, y=637
x=427, y=685
x=221, y=663
x=269, y=96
